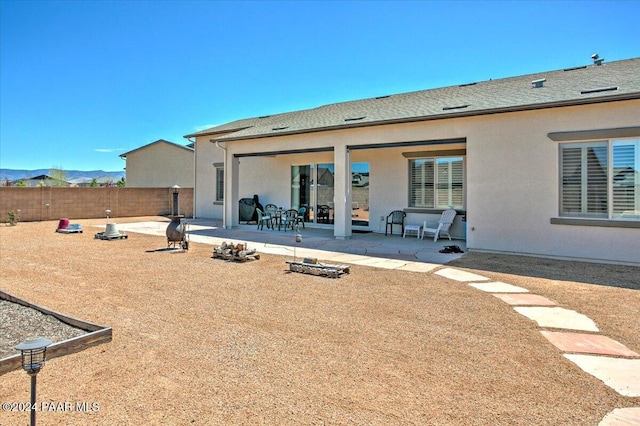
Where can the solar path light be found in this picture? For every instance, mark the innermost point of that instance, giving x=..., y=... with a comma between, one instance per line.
x=33, y=357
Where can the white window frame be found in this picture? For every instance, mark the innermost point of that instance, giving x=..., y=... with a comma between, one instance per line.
x=612, y=202
x=219, y=177
x=428, y=193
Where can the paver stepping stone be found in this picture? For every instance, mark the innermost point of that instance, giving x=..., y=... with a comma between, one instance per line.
x=587, y=343
x=556, y=317
x=499, y=287
x=525, y=299
x=462, y=276
x=620, y=374
x=622, y=417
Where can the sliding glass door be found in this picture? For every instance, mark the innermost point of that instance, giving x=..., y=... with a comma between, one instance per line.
x=360, y=195
x=312, y=188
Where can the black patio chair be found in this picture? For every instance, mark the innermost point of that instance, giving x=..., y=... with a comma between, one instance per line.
x=396, y=217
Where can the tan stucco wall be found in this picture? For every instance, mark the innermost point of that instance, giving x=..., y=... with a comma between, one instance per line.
x=160, y=166
x=512, y=180
x=47, y=203
x=207, y=154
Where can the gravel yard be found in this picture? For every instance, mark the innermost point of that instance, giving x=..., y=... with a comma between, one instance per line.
x=202, y=341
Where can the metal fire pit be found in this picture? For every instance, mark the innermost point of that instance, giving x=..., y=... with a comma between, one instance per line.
x=177, y=233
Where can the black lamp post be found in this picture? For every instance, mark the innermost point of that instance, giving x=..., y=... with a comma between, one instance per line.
x=176, y=204
x=33, y=357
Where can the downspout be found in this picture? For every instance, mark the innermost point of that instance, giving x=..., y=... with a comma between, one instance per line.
x=224, y=196
x=195, y=174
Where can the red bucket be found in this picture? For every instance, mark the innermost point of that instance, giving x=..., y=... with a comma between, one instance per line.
x=64, y=222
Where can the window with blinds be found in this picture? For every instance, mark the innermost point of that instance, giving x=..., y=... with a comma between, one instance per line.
x=436, y=182
x=219, y=184
x=626, y=179
x=600, y=179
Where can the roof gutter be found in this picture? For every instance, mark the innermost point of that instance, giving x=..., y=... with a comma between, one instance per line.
x=520, y=108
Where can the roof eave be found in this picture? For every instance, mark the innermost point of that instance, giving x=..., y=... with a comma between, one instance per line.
x=519, y=108
x=217, y=132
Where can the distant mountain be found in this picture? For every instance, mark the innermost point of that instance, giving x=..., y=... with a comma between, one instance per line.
x=12, y=174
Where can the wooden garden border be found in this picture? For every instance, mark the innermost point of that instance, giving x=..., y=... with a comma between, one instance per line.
x=97, y=335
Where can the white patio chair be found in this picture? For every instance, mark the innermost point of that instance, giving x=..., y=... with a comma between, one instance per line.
x=445, y=222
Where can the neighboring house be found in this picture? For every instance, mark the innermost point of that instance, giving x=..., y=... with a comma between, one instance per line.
x=86, y=182
x=41, y=180
x=160, y=164
x=544, y=164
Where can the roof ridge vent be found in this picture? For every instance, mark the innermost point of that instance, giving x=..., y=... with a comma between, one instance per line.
x=538, y=83
x=447, y=108
x=575, y=68
x=597, y=60
x=599, y=89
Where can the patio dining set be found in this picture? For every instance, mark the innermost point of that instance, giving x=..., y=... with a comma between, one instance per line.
x=274, y=216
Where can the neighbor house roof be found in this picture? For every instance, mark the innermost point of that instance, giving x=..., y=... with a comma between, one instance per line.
x=88, y=180
x=619, y=80
x=159, y=141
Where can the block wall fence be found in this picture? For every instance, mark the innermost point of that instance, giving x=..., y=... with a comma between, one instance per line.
x=53, y=203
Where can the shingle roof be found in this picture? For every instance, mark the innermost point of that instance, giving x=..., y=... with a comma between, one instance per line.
x=188, y=147
x=574, y=86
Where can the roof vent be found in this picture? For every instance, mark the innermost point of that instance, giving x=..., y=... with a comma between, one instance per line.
x=354, y=118
x=383, y=97
x=455, y=107
x=538, y=83
x=598, y=89
x=280, y=128
x=597, y=60
x=468, y=84
x=575, y=68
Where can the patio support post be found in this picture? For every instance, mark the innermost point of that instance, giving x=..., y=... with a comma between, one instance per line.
x=342, y=193
x=231, y=216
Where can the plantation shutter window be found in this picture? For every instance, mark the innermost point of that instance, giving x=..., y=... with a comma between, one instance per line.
x=626, y=179
x=584, y=180
x=436, y=182
x=600, y=179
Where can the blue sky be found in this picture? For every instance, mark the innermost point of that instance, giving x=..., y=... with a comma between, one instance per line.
x=82, y=82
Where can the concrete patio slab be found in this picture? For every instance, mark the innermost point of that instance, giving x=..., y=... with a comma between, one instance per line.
x=419, y=267
x=368, y=249
x=587, y=344
x=556, y=317
x=380, y=262
x=620, y=374
x=461, y=276
x=499, y=287
x=622, y=417
x=525, y=299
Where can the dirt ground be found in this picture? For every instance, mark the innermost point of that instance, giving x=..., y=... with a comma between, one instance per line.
x=202, y=341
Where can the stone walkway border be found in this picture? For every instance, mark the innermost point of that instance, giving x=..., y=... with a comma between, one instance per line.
x=606, y=359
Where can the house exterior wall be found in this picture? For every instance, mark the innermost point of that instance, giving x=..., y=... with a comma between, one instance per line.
x=207, y=156
x=511, y=177
x=513, y=185
x=160, y=165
